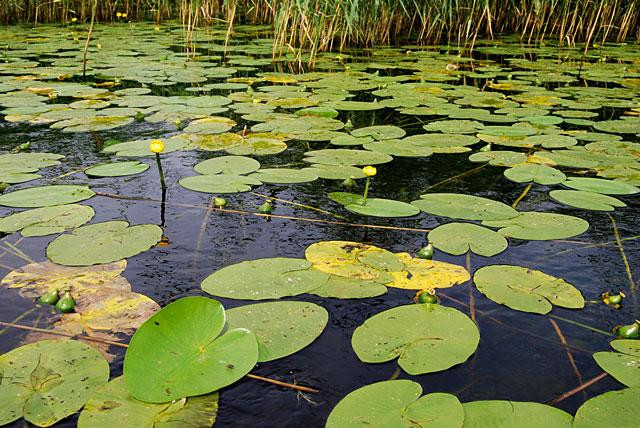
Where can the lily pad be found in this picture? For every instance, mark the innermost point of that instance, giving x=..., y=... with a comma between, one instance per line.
x=219, y=183
x=336, y=172
x=210, y=125
x=465, y=207
x=284, y=175
x=195, y=361
x=339, y=287
x=425, y=338
x=526, y=289
x=117, y=169
x=504, y=414
x=540, y=174
x=540, y=226
x=379, y=132
x=375, y=207
x=400, y=148
x=458, y=238
x=282, y=328
x=421, y=274
x=586, y=200
x=47, y=220
x=46, y=196
x=600, y=185
x=622, y=365
x=597, y=411
x=103, y=243
x=111, y=405
x=346, y=157
x=227, y=165
x=396, y=403
x=264, y=279
x=49, y=380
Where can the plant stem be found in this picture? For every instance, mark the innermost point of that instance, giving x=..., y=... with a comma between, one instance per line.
x=160, y=172
x=366, y=192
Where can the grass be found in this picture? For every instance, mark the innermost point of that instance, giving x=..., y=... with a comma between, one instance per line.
x=321, y=25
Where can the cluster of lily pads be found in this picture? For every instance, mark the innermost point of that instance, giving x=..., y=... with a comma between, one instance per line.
x=530, y=117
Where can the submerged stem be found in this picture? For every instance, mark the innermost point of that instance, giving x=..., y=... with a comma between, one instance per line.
x=366, y=191
x=160, y=172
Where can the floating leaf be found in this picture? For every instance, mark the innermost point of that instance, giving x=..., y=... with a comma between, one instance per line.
x=219, y=183
x=46, y=196
x=282, y=328
x=550, y=141
x=499, y=158
x=400, y=148
x=284, y=175
x=210, y=125
x=526, y=289
x=396, y=403
x=103, y=243
x=458, y=238
x=622, y=365
x=117, y=169
x=346, y=157
x=379, y=132
x=46, y=381
x=111, y=405
x=353, y=260
x=611, y=409
x=375, y=207
x=425, y=338
x=465, y=207
x=227, y=165
x=499, y=413
x=421, y=274
x=47, y=220
x=336, y=172
x=538, y=226
x=340, y=287
x=586, y=200
x=540, y=174
x=258, y=146
x=600, y=185
x=195, y=360
x=264, y=279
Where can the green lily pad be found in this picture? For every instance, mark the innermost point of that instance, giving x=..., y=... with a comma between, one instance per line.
x=540, y=174
x=380, y=132
x=112, y=405
x=284, y=175
x=397, y=404
x=47, y=220
x=227, y=165
x=219, y=183
x=454, y=126
x=117, y=169
x=621, y=126
x=46, y=196
x=17, y=177
x=46, y=381
x=93, y=123
x=611, y=409
x=374, y=207
x=503, y=414
x=282, y=328
x=499, y=158
x=526, y=289
x=400, y=148
x=210, y=125
x=350, y=140
x=586, y=200
x=196, y=360
x=258, y=146
x=425, y=338
x=264, y=279
x=600, y=185
x=550, y=141
x=103, y=242
x=443, y=143
x=539, y=226
x=464, y=207
x=346, y=157
x=458, y=238
x=622, y=365
x=339, y=287
x=336, y=172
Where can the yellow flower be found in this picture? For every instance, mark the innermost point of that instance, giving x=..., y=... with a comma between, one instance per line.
x=124, y=15
x=119, y=15
x=156, y=146
x=369, y=171
x=74, y=19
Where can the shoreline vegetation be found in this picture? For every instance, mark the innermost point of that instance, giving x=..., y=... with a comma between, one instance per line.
x=324, y=25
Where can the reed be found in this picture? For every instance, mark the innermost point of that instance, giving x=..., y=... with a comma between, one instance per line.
x=315, y=26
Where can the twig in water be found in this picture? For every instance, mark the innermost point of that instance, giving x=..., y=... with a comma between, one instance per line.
x=522, y=195
x=578, y=389
x=567, y=350
x=632, y=285
x=455, y=177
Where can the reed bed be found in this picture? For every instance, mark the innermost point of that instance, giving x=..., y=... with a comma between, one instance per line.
x=321, y=25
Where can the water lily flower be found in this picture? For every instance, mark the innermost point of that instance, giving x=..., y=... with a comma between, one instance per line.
x=119, y=14
x=124, y=15
x=74, y=19
x=156, y=146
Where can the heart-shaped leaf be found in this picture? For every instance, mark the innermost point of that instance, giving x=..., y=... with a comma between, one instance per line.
x=47, y=220
x=458, y=238
x=46, y=196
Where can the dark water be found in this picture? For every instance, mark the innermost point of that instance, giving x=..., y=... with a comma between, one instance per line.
x=520, y=356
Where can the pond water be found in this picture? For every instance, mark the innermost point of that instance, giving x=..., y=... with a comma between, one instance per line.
x=587, y=105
